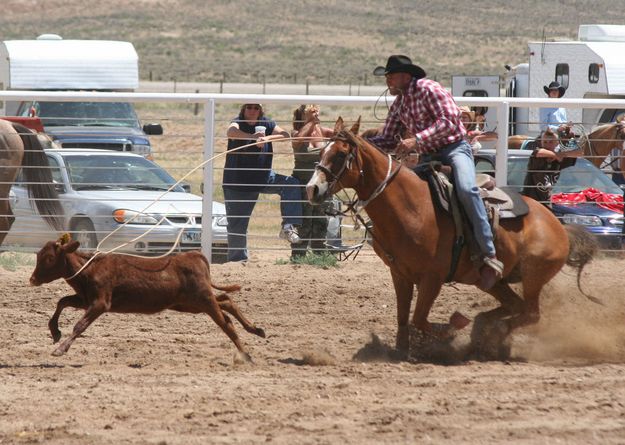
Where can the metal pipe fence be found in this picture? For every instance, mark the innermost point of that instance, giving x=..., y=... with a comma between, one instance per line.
x=202, y=138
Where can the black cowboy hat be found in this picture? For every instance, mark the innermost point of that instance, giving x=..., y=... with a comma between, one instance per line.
x=399, y=64
x=555, y=86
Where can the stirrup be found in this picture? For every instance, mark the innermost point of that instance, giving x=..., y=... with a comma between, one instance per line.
x=494, y=264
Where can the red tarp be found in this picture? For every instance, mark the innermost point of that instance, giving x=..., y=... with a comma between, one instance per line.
x=606, y=200
x=34, y=123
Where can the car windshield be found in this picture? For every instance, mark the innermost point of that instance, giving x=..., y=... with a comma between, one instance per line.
x=89, y=172
x=581, y=176
x=105, y=114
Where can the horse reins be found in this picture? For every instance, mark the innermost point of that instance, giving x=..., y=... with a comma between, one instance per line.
x=355, y=207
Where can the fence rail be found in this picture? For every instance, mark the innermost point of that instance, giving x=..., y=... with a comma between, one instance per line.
x=209, y=101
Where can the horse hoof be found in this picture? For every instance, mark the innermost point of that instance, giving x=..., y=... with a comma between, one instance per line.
x=241, y=358
x=398, y=354
x=56, y=336
x=58, y=352
x=458, y=321
x=260, y=332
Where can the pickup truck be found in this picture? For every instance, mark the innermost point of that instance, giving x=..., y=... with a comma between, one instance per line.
x=105, y=125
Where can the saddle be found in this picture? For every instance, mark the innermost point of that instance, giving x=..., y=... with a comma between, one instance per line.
x=500, y=203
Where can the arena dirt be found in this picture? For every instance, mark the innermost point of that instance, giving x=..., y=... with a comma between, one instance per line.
x=325, y=374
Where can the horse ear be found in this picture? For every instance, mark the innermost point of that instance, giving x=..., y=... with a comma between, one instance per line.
x=356, y=126
x=339, y=125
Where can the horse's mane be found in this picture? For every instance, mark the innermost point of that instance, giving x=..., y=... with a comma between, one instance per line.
x=355, y=139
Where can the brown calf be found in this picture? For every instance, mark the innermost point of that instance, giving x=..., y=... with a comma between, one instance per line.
x=121, y=283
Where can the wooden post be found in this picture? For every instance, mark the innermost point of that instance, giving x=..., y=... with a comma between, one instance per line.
x=196, y=109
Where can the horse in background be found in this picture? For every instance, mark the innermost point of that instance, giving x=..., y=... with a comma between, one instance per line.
x=20, y=148
x=600, y=143
x=596, y=145
x=414, y=237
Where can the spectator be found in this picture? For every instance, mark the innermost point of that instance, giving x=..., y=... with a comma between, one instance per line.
x=473, y=124
x=314, y=226
x=544, y=166
x=430, y=114
x=248, y=173
x=553, y=117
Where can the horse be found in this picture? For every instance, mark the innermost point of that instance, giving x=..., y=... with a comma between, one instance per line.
x=596, y=145
x=414, y=238
x=602, y=140
x=20, y=148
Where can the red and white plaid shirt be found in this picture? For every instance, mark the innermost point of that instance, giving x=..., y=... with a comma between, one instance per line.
x=428, y=112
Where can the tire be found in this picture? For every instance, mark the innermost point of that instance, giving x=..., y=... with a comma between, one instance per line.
x=84, y=232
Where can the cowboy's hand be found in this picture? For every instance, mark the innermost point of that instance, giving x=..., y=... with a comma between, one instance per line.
x=406, y=146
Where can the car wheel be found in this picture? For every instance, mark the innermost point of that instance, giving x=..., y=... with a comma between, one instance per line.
x=84, y=233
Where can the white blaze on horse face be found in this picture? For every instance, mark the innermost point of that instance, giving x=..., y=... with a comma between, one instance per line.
x=317, y=186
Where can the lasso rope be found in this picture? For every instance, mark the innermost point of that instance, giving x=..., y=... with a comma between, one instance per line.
x=193, y=170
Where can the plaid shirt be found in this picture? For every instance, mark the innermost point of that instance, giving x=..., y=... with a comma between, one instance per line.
x=427, y=111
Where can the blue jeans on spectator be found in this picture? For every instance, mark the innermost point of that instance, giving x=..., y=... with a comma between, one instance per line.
x=240, y=205
x=460, y=157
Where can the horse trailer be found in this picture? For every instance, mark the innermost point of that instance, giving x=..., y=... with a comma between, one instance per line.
x=50, y=63
x=591, y=67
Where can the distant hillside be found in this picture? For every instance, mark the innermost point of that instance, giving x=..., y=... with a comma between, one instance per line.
x=324, y=41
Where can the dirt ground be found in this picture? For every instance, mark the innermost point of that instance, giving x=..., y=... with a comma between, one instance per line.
x=323, y=374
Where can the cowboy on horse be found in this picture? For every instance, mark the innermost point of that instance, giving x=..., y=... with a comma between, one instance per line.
x=428, y=112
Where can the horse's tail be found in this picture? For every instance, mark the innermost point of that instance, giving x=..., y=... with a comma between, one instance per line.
x=582, y=248
x=38, y=176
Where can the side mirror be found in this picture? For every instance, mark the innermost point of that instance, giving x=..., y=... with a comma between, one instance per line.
x=59, y=187
x=153, y=129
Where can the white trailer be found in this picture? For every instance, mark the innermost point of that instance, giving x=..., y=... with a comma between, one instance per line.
x=478, y=86
x=51, y=63
x=591, y=67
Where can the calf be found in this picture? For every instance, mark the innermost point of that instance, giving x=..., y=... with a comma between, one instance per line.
x=128, y=284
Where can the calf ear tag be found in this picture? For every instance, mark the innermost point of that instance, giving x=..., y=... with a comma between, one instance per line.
x=64, y=239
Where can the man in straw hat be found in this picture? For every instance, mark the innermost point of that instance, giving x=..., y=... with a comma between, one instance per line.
x=426, y=110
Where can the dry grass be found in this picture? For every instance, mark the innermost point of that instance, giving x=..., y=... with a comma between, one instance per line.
x=324, y=41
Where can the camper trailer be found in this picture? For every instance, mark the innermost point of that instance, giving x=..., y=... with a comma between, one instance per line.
x=50, y=63
x=592, y=66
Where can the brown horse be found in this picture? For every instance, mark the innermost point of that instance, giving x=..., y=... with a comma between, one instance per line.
x=414, y=237
x=602, y=140
x=20, y=148
x=597, y=145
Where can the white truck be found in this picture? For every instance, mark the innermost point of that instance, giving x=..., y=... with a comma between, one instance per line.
x=50, y=63
x=593, y=66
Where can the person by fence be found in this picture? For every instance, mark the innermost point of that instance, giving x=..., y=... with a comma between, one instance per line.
x=248, y=173
x=306, y=124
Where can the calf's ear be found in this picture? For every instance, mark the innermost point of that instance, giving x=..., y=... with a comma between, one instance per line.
x=70, y=247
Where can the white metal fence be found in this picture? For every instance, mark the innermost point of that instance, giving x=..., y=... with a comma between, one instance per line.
x=209, y=102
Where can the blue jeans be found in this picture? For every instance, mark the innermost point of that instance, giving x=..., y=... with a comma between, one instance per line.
x=240, y=205
x=460, y=157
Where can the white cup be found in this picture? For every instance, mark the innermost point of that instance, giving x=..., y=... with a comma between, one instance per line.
x=260, y=129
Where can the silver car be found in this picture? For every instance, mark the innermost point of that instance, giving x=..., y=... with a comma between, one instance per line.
x=102, y=189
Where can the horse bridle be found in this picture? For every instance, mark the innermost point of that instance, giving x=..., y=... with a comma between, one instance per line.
x=332, y=178
x=356, y=206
